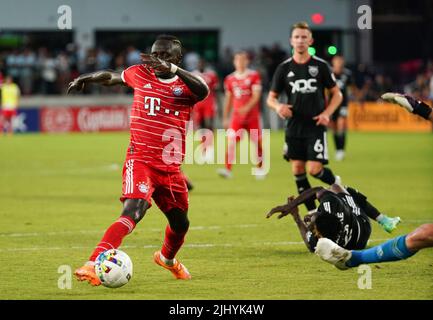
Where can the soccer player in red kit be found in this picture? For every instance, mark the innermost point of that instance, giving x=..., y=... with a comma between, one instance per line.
x=204, y=111
x=164, y=95
x=243, y=90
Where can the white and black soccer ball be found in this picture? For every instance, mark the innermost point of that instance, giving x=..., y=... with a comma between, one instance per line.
x=114, y=268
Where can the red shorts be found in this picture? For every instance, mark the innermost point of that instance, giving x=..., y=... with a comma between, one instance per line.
x=247, y=124
x=202, y=112
x=168, y=189
x=9, y=114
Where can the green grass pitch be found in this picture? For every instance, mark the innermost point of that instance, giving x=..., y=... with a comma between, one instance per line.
x=58, y=193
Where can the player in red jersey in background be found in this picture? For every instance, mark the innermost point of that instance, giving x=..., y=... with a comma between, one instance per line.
x=204, y=111
x=164, y=95
x=243, y=89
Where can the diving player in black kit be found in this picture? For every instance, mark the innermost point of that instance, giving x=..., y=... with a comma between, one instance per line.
x=342, y=216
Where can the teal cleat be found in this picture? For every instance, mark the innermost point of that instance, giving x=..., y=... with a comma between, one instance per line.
x=389, y=224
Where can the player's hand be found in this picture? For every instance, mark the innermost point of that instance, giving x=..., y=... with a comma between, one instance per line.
x=307, y=218
x=285, y=111
x=155, y=63
x=77, y=84
x=322, y=119
x=286, y=209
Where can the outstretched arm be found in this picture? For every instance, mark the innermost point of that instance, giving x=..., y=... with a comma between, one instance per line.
x=294, y=203
x=302, y=226
x=292, y=206
x=104, y=77
x=194, y=83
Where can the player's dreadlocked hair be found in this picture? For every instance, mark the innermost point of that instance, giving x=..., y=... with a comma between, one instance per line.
x=171, y=38
x=328, y=225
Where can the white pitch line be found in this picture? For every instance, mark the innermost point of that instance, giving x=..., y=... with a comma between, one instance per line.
x=187, y=245
x=58, y=233
x=193, y=228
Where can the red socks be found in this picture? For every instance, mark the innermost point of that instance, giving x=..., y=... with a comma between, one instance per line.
x=172, y=243
x=114, y=235
x=123, y=226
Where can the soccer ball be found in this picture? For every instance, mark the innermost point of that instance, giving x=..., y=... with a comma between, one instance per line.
x=114, y=268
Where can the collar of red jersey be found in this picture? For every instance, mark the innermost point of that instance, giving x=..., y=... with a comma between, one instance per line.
x=170, y=80
x=242, y=75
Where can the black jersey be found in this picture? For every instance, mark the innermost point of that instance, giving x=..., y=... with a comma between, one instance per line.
x=355, y=224
x=304, y=85
x=344, y=80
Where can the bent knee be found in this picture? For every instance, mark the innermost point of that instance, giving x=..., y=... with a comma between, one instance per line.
x=135, y=209
x=422, y=237
x=315, y=169
x=298, y=167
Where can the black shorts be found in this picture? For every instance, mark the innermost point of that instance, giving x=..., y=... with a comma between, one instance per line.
x=341, y=112
x=313, y=148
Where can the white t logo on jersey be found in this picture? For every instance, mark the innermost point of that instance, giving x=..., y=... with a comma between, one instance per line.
x=303, y=86
x=154, y=104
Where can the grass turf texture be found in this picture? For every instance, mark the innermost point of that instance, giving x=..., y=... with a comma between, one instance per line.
x=58, y=193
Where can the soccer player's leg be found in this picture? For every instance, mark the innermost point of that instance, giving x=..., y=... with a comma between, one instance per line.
x=234, y=135
x=297, y=155
x=410, y=104
x=7, y=122
x=255, y=133
x=340, y=133
x=317, y=156
x=389, y=224
x=171, y=197
x=136, y=198
x=398, y=248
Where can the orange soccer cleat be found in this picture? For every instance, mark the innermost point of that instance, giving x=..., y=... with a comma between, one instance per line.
x=87, y=273
x=178, y=269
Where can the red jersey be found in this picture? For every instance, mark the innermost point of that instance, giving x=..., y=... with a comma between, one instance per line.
x=241, y=86
x=159, y=115
x=211, y=79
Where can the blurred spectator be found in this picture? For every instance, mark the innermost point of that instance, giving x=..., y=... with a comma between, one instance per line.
x=40, y=71
x=225, y=65
x=191, y=60
x=12, y=64
x=377, y=87
x=132, y=56
x=64, y=71
x=277, y=55
x=26, y=62
x=48, y=69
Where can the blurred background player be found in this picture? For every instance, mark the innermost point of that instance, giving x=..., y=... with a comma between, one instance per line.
x=147, y=173
x=205, y=110
x=304, y=78
x=343, y=216
x=10, y=97
x=243, y=89
x=410, y=104
x=339, y=117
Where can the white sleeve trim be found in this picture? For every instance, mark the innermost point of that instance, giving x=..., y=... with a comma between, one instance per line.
x=122, y=75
